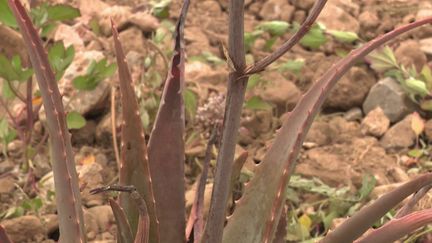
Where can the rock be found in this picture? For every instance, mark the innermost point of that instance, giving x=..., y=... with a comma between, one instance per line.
x=299, y=16
x=350, y=90
x=399, y=136
x=145, y=21
x=353, y=114
x=426, y=46
x=280, y=91
x=70, y=36
x=119, y=14
x=428, y=129
x=41, y=163
x=375, y=123
x=200, y=72
x=336, y=18
x=347, y=162
x=258, y=123
x=84, y=135
x=329, y=130
x=103, y=216
x=83, y=102
x=92, y=8
x=104, y=130
x=132, y=39
x=409, y=53
x=6, y=166
x=303, y=4
x=7, y=184
x=197, y=40
x=90, y=175
x=392, y=99
x=368, y=21
x=24, y=229
x=276, y=10
x=91, y=102
x=91, y=225
x=50, y=223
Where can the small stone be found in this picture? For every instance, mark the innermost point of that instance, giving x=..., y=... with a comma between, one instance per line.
x=303, y=4
x=145, y=21
x=7, y=184
x=353, y=114
x=375, y=123
x=409, y=53
x=426, y=46
x=399, y=136
x=119, y=14
x=351, y=90
x=392, y=99
x=280, y=92
x=84, y=135
x=24, y=229
x=334, y=17
x=276, y=10
x=103, y=215
x=428, y=130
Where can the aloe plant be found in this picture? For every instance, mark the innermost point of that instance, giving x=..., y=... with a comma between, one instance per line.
x=151, y=205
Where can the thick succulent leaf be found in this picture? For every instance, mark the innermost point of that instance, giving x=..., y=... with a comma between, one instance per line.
x=281, y=230
x=134, y=168
x=272, y=175
x=142, y=234
x=4, y=238
x=68, y=198
x=196, y=217
x=166, y=146
x=124, y=231
x=360, y=222
x=397, y=228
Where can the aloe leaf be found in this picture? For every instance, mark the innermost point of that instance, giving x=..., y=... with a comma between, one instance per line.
x=361, y=221
x=272, y=175
x=142, y=234
x=124, y=231
x=196, y=217
x=4, y=238
x=397, y=228
x=166, y=146
x=68, y=197
x=281, y=230
x=134, y=168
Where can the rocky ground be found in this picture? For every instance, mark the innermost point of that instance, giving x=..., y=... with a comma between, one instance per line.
x=365, y=127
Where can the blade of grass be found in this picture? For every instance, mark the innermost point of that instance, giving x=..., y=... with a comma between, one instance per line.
x=68, y=197
x=272, y=175
x=397, y=228
x=134, y=168
x=166, y=146
x=234, y=103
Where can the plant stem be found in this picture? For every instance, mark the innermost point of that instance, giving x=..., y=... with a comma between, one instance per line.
x=234, y=103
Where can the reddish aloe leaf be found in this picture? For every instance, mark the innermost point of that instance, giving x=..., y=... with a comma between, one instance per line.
x=409, y=206
x=397, y=228
x=142, y=234
x=272, y=176
x=68, y=197
x=4, y=238
x=134, y=168
x=281, y=230
x=196, y=217
x=124, y=231
x=166, y=146
x=361, y=221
